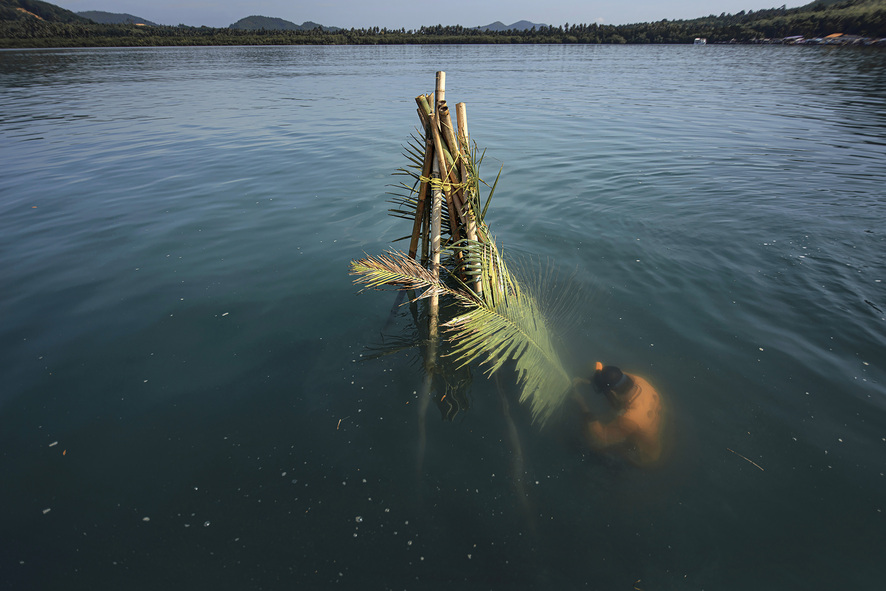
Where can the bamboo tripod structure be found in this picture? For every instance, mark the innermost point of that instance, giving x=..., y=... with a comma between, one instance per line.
x=444, y=175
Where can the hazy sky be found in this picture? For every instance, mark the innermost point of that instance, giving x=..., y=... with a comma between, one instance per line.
x=409, y=14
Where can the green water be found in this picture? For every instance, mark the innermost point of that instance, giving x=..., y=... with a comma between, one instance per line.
x=184, y=378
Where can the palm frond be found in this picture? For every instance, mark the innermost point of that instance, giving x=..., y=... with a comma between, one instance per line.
x=398, y=270
x=507, y=325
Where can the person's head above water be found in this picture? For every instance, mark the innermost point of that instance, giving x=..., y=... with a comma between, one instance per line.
x=613, y=382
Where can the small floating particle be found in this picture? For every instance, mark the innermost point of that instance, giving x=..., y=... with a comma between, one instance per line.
x=53, y=444
x=205, y=524
x=358, y=519
x=146, y=518
x=761, y=348
x=46, y=510
x=226, y=313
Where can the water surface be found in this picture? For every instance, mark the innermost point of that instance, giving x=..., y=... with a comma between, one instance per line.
x=186, y=401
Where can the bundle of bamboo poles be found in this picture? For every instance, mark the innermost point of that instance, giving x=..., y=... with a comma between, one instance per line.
x=495, y=321
x=444, y=176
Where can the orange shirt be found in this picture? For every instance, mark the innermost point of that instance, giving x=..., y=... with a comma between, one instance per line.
x=636, y=429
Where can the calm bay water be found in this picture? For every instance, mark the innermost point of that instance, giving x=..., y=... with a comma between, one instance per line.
x=186, y=400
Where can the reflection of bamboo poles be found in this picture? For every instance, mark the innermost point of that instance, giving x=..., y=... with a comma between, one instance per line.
x=518, y=464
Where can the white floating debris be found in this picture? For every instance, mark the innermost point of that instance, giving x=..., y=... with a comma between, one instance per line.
x=53, y=444
x=205, y=524
x=358, y=519
x=226, y=313
x=146, y=518
x=47, y=510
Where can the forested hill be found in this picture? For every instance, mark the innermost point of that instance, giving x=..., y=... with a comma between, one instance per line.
x=114, y=18
x=817, y=19
x=23, y=10
x=258, y=23
x=860, y=21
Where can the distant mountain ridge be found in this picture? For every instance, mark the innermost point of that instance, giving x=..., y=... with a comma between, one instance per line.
x=115, y=18
x=257, y=23
x=518, y=26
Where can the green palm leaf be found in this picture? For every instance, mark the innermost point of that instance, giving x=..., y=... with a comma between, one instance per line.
x=503, y=325
x=398, y=270
x=507, y=325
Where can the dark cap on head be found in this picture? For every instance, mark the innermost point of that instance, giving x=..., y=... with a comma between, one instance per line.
x=610, y=378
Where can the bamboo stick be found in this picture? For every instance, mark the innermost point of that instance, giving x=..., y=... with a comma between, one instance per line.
x=461, y=119
x=440, y=92
x=448, y=131
x=436, y=224
x=426, y=237
x=419, y=227
x=424, y=105
x=453, y=158
x=440, y=161
x=435, y=212
x=433, y=320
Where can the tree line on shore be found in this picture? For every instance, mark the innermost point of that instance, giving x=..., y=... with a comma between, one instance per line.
x=866, y=18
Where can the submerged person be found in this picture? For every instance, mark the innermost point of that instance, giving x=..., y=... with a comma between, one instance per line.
x=635, y=432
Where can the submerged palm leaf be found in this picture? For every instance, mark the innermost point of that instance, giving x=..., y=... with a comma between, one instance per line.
x=508, y=325
x=505, y=324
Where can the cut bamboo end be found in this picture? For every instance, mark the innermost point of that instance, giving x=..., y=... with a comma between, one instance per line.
x=440, y=92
